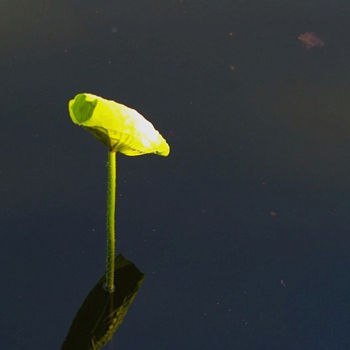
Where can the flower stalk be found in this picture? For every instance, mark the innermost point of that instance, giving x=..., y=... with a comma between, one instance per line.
x=111, y=199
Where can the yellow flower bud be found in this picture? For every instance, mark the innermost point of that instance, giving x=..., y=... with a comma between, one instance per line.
x=120, y=128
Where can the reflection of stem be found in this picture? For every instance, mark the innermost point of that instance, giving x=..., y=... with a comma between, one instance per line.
x=112, y=314
x=111, y=189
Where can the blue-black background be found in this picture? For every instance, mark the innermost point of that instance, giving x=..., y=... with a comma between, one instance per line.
x=243, y=231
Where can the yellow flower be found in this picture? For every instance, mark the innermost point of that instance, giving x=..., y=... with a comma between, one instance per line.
x=120, y=128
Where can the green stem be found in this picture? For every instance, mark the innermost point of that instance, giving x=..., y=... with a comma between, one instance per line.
x=111, y=189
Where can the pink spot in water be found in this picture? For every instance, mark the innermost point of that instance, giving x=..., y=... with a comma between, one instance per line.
x=310, y=39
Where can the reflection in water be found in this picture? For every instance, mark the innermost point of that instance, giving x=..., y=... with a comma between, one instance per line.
x=101, y=312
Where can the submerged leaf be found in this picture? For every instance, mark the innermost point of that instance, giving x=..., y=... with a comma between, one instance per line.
x=120, y=128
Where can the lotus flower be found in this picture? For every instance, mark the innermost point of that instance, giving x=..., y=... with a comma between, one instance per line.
x=120, y=128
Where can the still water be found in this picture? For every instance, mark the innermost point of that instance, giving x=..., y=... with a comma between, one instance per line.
x=242, y=233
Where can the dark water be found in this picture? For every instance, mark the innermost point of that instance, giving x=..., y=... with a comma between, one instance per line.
x=242, y=232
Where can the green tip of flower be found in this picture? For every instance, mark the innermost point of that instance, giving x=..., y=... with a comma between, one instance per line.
x=81, y=108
